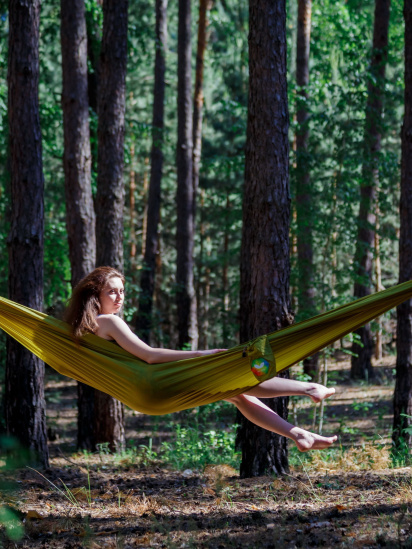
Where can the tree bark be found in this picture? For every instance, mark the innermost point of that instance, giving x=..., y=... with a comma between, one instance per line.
x=111, y=110
x=402, y=402
x=265, y=264
x=147, y=281
x=24, y=392
x=304, y=209
x=110, y=189
x=185, y=294
x=80, y=218
x=204, y=7
x=361, y=366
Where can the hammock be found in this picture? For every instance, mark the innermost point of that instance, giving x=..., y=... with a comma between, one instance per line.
x=164, y=388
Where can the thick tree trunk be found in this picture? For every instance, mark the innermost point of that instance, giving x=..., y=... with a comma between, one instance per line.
x=110, y=189
x=185, y=294
x=147, y=281
x=304, y=213
x=361, y=360
x=93, y=55
x=402, y=404
x=24, y=398
x=80, y=218
x=265, y=265
x=111, y=110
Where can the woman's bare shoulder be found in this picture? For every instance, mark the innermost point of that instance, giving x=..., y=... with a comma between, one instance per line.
x=108, y=323
x=109, y=318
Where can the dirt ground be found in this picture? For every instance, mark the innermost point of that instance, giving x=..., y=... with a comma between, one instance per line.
x=350, y=497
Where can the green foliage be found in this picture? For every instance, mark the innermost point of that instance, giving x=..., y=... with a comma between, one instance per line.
x=401, y=451
x=340, y=56
x=12, y=456
x=190, y=448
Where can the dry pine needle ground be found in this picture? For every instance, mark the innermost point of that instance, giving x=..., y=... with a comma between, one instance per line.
x=349, y=499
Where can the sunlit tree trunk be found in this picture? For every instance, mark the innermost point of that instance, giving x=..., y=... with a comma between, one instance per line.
x=265, y=264
x=361, y=359
x=110, y=188
x=80, y=218
x=24, y=390
x=402, y=404
x=185, y=293
x=304, y=209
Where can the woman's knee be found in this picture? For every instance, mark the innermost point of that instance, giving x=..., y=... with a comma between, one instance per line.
x=236, y=400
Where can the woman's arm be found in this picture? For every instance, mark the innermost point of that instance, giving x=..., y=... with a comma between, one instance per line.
x=113, y=327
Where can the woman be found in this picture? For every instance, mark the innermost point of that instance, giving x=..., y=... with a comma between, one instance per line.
x=93, y=308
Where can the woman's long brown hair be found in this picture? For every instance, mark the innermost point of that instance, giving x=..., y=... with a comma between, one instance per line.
x=84, y=305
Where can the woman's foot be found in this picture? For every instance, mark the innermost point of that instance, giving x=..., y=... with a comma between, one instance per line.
x=305, y=440
x=318, y=392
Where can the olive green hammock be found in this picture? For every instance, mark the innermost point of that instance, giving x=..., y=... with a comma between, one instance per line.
x=163, y=388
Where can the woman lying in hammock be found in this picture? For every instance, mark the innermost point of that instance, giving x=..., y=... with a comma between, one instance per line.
x=93, y=308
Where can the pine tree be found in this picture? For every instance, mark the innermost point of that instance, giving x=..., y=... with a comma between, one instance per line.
x=265, y=266
x=402, y=402
x=109, y=413
x=24, y=394
x=80, y=218
x=362, y=353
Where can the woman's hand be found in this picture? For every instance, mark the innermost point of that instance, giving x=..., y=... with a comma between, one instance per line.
x=210, y=352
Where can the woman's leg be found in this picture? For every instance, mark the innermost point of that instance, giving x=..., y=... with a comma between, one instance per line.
x=257, y=412
x=280, y=386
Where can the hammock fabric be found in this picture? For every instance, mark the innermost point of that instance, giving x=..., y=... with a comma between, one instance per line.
x=164, y=388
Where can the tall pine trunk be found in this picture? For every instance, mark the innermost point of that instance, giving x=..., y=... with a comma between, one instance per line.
x=80, y=218
x=185, y=293
x=402, y=403
x=24, y=392
x=361, y=359
x=109, y=413
x=304, y=209
x=265, y=265
x=147, y=281
x=204, y=6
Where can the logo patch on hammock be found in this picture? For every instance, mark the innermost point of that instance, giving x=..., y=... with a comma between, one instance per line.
x=260, y=366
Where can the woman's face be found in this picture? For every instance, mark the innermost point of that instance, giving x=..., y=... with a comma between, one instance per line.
x=112, y=296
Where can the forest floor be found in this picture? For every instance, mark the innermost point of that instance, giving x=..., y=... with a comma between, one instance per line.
x=350, y=496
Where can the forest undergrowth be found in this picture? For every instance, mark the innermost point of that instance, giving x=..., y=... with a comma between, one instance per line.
x=177, y=484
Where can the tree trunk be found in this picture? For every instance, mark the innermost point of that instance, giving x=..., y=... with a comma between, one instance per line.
x=204, y=7
x=93, y=55
x=24, y=392
x=378, y=283
x=147, y=281
x=80, y=218
x=185, y=294
x=304, y=209
x=265, y=264
x=111, y=110
x=110, y=189
x=203, y=276
x=361, y=359
x=151, y=244
x=402, y=403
